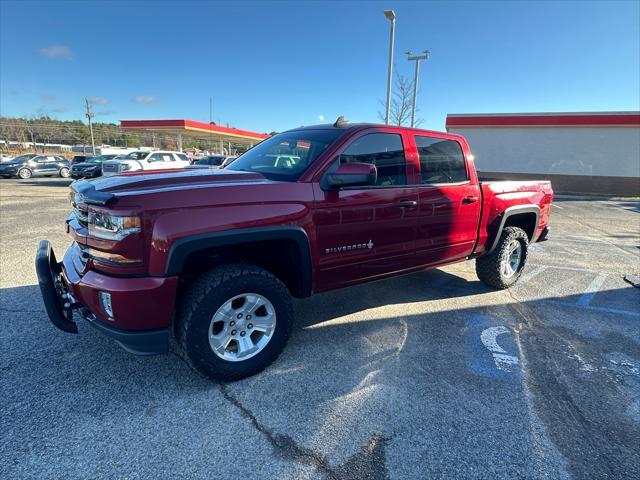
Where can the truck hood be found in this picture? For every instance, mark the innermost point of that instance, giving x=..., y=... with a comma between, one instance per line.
x=106, y=190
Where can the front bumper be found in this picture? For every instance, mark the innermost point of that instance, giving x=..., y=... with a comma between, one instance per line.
x=142, y=306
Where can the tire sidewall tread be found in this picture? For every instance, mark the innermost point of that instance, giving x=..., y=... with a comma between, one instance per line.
x=488, y=266
x=201, y=300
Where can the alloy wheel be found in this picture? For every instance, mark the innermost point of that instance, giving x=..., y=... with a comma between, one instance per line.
x=511, y=260
x=242, y=327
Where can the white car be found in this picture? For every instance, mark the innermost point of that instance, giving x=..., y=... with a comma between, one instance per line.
x=140, y=160
x=5, y=158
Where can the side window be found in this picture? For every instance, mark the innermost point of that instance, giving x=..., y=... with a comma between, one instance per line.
x=182, y=156
x=156, y=157
x=40, y=159
x=385, y=151
x=441, y=160
x=167, y=157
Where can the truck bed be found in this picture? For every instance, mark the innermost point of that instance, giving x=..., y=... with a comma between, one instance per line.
x=500, y=195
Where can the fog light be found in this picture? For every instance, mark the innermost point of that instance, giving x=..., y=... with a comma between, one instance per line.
x=105, y=302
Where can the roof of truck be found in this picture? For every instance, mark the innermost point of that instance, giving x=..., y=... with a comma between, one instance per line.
x=360, y=126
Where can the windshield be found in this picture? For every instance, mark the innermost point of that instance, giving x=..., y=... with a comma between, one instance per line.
x=133, y=156
x=212, y=160
x=22, y=158
x=287, y=155
x=97, y=159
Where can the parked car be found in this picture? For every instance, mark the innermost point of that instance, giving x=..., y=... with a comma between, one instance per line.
x=31, y=165
x=214, y=161
x=90, y=168
x=140, y=160
x=80, y=158
x=212, y=257
x=4, y=157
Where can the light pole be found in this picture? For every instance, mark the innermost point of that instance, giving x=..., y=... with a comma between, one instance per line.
x=417, y=59
x=391, y=16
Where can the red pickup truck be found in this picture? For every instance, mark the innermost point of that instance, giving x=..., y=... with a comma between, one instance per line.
x=208, y=260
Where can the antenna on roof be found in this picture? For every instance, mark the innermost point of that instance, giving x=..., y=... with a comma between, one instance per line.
x=340, y=122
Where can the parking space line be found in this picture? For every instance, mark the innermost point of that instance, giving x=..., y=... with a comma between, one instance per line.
x=574, y=269
x=592, y=289
x=533, y=273
x=614, y=311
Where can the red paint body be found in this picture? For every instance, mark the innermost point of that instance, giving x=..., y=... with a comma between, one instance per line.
x=412, y=227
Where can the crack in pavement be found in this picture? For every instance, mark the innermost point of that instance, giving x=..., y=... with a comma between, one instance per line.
x=368, y=463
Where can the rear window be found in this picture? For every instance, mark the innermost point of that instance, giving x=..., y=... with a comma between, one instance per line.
x=441, y=160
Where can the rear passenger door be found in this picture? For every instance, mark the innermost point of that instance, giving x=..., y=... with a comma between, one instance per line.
x=367, y=231
x=161, y=161
x=449, y=202
x=44, y=165
x=181, y=160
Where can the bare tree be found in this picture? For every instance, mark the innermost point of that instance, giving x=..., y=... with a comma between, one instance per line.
x=401, y=102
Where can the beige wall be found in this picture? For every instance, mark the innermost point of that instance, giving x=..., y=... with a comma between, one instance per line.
x=574, y=151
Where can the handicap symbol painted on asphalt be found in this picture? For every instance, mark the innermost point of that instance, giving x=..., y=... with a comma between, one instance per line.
x=489, y=337
x=490, y=347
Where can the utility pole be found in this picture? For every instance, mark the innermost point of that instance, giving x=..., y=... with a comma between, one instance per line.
x=89, y=115
x=416, y=59
x=391, y=16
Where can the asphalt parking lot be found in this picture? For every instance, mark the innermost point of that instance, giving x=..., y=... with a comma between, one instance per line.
x=432, y=375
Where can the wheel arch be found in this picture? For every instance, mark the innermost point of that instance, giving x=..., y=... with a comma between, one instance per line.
x=262, y=246
x=526, y=217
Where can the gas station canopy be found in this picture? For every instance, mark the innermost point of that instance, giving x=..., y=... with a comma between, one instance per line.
x=191, y=128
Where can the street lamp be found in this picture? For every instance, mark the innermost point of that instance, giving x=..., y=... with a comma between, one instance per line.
x=417, y=59
x=391, y=16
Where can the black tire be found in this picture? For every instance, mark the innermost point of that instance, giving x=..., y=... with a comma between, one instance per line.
x=205, y=296
x=488, y=267
x=64, y=172
x=25, y=173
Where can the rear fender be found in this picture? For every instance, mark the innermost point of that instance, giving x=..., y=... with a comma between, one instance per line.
x=511, y=212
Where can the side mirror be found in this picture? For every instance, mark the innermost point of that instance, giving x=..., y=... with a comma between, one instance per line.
x=351, y=175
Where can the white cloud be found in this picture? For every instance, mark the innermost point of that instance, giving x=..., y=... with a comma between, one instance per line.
x=321, y=118
x=57, y=51
x=143, y=100
x=98, y=100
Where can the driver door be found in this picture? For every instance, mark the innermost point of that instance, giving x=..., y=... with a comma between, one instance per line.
x=367, y=231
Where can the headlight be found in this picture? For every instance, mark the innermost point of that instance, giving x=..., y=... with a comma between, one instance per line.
x=111, y=227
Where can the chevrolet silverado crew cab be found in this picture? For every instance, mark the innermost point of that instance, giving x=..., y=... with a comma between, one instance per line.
x=207, y=260
x=141, y=160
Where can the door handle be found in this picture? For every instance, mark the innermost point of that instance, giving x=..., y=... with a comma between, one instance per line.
x=470, y=199
x=407, y=203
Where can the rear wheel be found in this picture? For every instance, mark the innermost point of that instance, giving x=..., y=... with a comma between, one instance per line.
x=233, y=322
x=64, y=172
x=25, y=173
x=502, y=267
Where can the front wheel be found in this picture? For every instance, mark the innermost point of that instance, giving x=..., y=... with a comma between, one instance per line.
x=502, y=267
x=233, y=322
x=64, y=172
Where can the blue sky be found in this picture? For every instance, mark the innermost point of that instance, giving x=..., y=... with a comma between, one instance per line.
x=278, y=65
